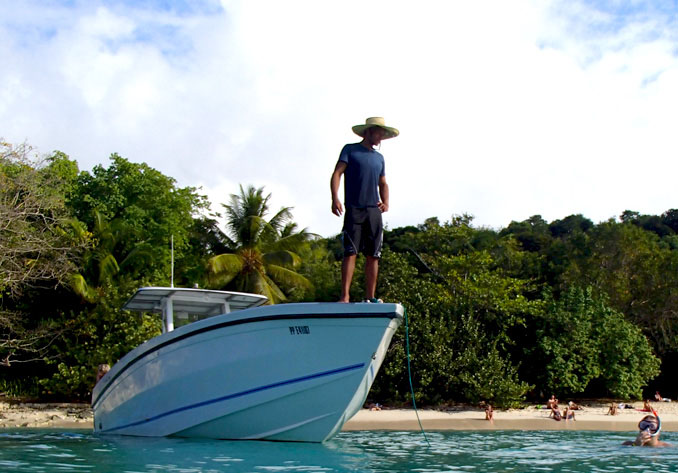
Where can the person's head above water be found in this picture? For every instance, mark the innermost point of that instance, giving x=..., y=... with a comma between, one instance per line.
x=649, y=427
x=650, y=423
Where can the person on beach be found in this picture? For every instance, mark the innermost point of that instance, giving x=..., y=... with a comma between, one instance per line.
x=649, y=427
x=366, y=197
x=568, y=413
x=612, y=411
x=552, y=402
x=102, y=370
x=489, y=413
x=555, y=413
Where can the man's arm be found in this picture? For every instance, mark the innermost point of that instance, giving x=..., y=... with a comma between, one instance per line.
x=337, y=208
x=383, y=194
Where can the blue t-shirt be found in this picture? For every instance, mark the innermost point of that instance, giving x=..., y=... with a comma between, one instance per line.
x=364, y=167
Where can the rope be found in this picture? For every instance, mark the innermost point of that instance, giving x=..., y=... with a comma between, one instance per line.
x=409, y=374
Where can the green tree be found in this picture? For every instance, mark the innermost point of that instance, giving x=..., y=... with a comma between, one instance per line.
x=461, y=314
x=266, y=252
x=582, y=342
x=39, y=241
x=101, y=333
x=100, y=267
x=626, y=358
x=146, y=209
x=131, y=212
x=40, y=245
x=205, y=240
x=533, y=234
x=568, y=349
x=320, y=265
x=638, y=272
x=670, y=219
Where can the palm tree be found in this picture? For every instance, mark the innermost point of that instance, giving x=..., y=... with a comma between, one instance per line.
x=264, y=254
x=101, y=266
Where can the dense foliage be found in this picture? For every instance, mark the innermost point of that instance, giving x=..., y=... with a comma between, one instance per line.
x=570, y=306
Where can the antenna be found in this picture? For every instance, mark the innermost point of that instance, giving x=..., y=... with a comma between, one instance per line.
x=172, y=275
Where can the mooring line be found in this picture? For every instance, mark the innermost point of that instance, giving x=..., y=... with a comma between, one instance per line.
x=409, y=374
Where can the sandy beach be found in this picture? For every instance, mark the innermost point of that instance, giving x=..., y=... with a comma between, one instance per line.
x=55, y=415
x=592, y=416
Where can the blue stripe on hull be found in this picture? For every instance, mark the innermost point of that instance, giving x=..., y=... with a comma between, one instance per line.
x=240, y=394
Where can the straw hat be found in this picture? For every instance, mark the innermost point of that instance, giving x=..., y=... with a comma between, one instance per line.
x=375, y=121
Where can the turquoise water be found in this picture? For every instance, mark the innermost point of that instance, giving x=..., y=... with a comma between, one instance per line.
x=27, y=450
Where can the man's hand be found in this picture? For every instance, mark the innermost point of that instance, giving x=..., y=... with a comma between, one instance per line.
x=643, y=438
x=337, y=208
x=383, y=194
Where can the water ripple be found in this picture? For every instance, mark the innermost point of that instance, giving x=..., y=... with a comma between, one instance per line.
x=28, y=450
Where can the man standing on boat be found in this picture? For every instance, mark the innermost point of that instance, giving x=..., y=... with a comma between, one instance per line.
x=366, y=197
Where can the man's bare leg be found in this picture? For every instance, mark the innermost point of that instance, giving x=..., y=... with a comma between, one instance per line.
x=347, y=269
x=371, y=272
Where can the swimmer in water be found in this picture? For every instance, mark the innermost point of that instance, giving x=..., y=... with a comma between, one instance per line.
x=649, y=427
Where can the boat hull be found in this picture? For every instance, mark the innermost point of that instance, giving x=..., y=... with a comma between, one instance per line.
x=293, y=372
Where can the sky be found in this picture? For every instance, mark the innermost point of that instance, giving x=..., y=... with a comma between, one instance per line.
x=506, y=109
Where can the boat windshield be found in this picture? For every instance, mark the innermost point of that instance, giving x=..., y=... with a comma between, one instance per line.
x=181, y=306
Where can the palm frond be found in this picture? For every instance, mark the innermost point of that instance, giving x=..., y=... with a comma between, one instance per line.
x=81, y=288
x=283, y=258
x=100, y=223
x=229, y=242
x=257, y=230
x=233, y=220
x=289, y=229
x=222, y=269
x=281, y=219
x=225, y=264
x=274, y=293
x=108, y=267
x=268, y=235
x=79, y=229
x=291, y=242
x=287, y=277
x=220, y=281
x=260, y=284
x=140, y=251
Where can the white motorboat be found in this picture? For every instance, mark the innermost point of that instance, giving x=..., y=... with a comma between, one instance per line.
x=291, y=372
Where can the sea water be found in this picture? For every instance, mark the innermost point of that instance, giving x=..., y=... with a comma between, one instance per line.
x=28, y=450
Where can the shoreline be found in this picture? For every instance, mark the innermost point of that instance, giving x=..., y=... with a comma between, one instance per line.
x=524, y=419
x=592, y=417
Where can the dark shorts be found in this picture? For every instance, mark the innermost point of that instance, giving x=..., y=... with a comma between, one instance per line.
x=363, y=231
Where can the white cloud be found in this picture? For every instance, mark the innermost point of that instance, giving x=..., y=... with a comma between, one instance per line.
x=506, y=109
